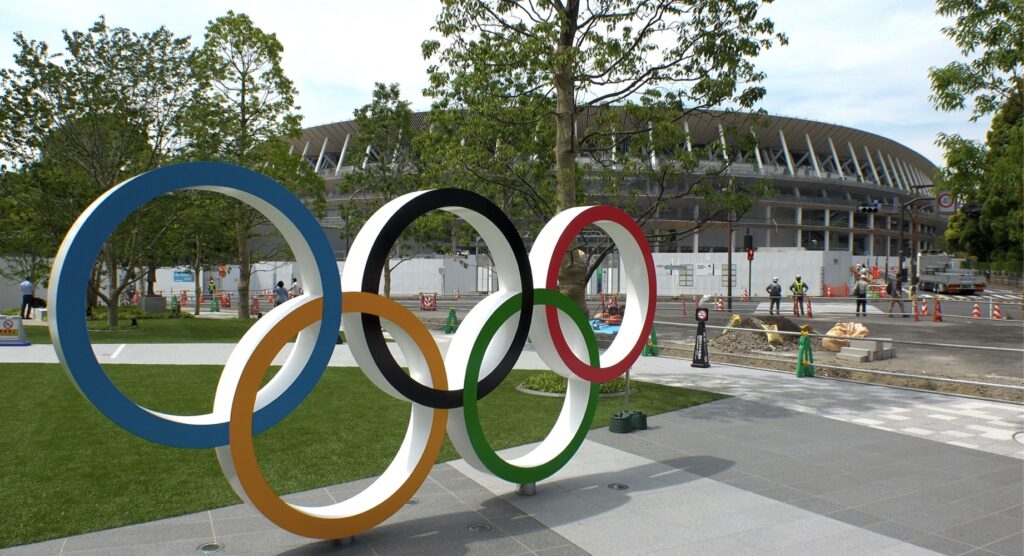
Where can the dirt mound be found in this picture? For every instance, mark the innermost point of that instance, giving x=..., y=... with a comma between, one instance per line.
x=741, y=341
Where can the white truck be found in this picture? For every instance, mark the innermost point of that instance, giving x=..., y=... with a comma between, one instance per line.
x=946, y=274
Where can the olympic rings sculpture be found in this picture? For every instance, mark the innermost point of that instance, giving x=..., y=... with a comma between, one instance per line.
x=443, y=391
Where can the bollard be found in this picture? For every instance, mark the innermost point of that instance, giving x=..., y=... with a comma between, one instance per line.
x=805, y=356
x=700, y=344
x=452, y=324
x=651, y=349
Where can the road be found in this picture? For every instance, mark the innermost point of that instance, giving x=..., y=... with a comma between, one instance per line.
x=957, y=328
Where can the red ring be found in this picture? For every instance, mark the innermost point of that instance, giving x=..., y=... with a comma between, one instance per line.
x=583, y=219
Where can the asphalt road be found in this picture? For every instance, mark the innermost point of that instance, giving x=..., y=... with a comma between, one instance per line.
x=958, y=362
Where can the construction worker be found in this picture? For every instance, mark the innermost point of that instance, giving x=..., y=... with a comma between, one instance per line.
x=799, y=288
x=860, y=291
x=895, y=290
x=775, y=295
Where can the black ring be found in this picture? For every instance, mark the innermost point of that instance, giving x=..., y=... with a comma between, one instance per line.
x=379, y=256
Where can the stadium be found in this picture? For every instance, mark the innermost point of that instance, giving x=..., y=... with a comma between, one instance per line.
x=820, y=173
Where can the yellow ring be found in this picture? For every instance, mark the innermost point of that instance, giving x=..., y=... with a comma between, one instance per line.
x=243, y=453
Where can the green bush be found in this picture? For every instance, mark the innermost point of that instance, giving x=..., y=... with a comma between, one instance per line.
x=555, y=384
x=133, y=312
x=12, y=312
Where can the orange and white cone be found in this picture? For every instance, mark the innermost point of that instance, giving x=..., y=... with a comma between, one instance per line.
x=746, y=296
x=997, y=313
x=828, y=291
x=924, y=307
x=458, y=294
x=683, y=297
x=938, y=311
x=796, y=308
x=810, y=313
x=719, y=306
x=917, y=313
x=976, y=312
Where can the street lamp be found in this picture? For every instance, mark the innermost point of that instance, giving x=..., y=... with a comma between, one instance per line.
x=913, y=220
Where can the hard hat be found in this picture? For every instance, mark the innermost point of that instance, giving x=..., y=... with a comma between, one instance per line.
x=798, y=277
x=775, y=279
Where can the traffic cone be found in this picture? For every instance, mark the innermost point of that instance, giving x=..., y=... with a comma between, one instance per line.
x=719, y=306
x=796, y=308
x=810, y=313
x=924, y=307
x=938, y=311
x=997, y=313
x=828, y=291
x=976, y=312
x=746, y=296
x=683, y=297
x=458, y=294
x=917, y=314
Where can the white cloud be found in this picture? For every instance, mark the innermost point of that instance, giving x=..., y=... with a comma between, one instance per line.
x=860, y=63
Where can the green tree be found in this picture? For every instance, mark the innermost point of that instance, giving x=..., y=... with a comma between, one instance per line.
x=78, y=122
x=987, y=177
x=612, y=78
x=247, y=108
x=387, y=139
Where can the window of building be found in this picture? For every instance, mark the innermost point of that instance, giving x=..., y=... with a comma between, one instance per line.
x=727, y=274
x=686, y=275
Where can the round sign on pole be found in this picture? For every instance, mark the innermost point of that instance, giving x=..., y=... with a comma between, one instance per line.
x=945, y=202
x=440, y=270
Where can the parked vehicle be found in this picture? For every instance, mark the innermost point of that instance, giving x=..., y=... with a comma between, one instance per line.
x=945, y=274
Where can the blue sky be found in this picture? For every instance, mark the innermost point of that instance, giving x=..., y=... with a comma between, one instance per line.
x=859, y=63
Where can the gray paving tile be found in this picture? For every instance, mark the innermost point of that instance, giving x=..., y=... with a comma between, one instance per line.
x=1010, y=546
x=895, y=530
x=942, y=517
x=981, y=532
x=1016, y=512
x=942, y=545
x=568, y=550
x=998, y=500
x=45, y=547
x=146, y=533
x=855, y=517
x=817, y=505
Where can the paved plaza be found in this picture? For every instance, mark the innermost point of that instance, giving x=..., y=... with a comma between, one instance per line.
x=786, y=466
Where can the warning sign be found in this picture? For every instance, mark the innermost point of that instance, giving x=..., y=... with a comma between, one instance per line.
x=11, y=332
x=945, y=203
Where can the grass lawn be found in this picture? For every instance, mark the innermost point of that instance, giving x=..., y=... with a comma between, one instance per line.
x=66, y=469
x=154, y=331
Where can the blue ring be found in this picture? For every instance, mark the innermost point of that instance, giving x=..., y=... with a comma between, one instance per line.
x=80, y=249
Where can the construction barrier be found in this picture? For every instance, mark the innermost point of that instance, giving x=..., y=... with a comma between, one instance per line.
x=452, y=324
x=225, y=301
x=804, y=357
x=652, y=348
x=428, y=302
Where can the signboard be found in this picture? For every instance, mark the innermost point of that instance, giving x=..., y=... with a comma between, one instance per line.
x=12, y=333
x=184, y=276
x=705, y=269
x=945, y=203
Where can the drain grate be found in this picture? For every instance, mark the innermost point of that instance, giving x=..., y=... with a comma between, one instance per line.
x=478, y=527
x=209, y=548
x=618, y=486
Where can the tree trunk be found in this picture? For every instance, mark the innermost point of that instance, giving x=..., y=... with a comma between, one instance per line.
x=387, y=279
x=571, y=279
x=244, y=267
x=197, y=267
x=112, y=292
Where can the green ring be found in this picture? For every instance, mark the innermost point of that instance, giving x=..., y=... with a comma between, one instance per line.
x=487, y=455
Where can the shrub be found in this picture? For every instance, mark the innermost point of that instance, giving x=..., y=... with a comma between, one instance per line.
x=553, y=383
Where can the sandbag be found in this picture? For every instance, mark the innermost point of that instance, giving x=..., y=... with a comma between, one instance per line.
x=774, y=338
x=843, y=329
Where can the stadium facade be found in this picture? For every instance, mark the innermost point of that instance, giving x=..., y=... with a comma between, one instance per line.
x=820, y=172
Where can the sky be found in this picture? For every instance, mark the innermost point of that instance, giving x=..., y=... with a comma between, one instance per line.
x=858, y=63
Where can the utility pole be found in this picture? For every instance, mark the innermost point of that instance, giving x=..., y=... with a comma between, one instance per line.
x=903, y=210
x=728, y=266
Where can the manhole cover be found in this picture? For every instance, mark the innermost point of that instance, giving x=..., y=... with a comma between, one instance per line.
x=1019, y=437
x=412, y=502
x=210, y=548
x=478, y=527
x=618, y=486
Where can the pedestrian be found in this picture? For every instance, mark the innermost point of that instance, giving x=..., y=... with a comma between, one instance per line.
x=28, y=291
x=294, y=290
x=775, y=295
x=280, y=294
x=895, y=290
x=860, y=291
x=211, y=288
x=799, y=288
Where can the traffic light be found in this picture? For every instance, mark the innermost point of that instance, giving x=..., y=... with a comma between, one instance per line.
x=750, y=254
x=867, y=207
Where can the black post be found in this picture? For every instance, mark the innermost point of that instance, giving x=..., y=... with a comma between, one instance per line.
x=728, y=268
x=700, y=344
